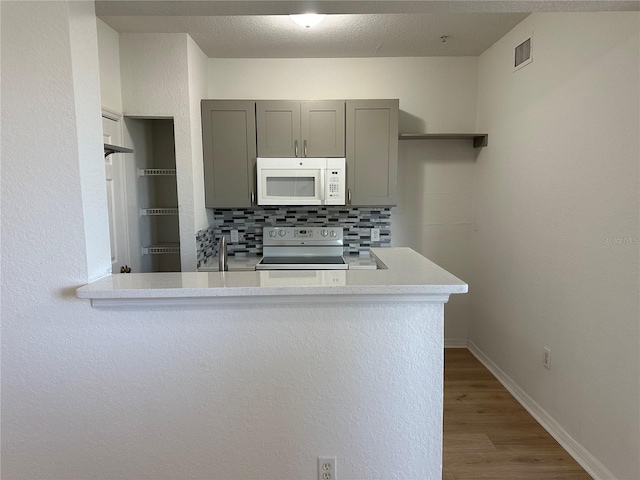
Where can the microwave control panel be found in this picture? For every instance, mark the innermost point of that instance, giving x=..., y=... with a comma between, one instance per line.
x=335, y=182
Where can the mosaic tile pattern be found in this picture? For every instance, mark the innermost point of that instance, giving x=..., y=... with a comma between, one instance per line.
x=204, y=245
x=249, y=222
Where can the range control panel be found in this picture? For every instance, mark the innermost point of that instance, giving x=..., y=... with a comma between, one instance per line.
x=318, y=236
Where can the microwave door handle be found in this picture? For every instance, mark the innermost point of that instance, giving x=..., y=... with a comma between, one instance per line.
x=323, y=173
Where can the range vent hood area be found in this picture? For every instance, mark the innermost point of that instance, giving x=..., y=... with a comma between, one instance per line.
x=109, y=149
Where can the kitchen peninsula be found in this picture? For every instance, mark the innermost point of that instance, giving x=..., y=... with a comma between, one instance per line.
x=355, y=353
x=404, y=276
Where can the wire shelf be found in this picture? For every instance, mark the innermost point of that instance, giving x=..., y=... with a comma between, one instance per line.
x=161, y=249
x=153, y=172
x=157, y=211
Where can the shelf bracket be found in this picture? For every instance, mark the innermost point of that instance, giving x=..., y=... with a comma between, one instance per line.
x=480, y=141
x=109, y=149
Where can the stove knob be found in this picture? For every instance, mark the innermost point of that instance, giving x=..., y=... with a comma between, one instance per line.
x=333, y=234
x=273, y=233
x=324, y=233
x=282, y=233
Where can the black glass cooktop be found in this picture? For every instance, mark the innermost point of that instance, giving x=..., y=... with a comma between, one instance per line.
x=303, y=261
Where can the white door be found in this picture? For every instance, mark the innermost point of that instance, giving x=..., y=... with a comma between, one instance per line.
x=116, y=198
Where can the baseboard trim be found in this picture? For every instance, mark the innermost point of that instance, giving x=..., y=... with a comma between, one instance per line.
x=456, y=343
x=580, y=454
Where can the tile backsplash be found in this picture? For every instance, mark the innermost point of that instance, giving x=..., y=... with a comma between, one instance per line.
x=204, y=245
x=249, y=222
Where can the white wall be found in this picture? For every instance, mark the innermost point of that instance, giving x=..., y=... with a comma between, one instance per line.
x=75, y=143
x=434, y=215
x=109, y=58
x=85, y=75
x=197, y=64
x=173, y=393
x=558, y=179
x=436, y=94
x=156, y=82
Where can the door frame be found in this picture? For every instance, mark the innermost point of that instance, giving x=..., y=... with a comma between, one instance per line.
x=125, y=253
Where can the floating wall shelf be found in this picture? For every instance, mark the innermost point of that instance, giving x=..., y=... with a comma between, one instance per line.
x=109, y=149
x=479, y=139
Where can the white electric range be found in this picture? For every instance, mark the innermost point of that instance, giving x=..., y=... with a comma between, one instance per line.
x=302, y=248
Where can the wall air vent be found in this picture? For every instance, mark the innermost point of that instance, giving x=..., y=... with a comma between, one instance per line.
x=523, y=54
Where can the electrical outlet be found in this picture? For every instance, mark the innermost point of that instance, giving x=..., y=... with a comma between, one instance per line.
x=326, y=468
x=234, y=236
x=375, y=234
x=546, y=360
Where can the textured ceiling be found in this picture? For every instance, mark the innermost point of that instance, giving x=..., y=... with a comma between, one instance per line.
x=357, y=28
x=282, y=7
x=389, y=35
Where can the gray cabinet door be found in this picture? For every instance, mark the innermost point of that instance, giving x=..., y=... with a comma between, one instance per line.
x=290, y=128
x=372, y=152
x=229, y=146
x=278, y=128
x=322, y=128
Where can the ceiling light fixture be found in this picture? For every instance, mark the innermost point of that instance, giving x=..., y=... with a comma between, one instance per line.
x=308, y=19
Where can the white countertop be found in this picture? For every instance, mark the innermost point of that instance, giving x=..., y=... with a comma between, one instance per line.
x=408, y=274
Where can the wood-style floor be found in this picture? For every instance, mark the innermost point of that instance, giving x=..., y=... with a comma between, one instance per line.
x=489, y=435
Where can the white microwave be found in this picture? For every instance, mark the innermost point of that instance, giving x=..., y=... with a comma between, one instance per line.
x=301, y=181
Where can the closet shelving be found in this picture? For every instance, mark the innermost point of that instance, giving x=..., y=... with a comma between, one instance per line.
x=157, y=202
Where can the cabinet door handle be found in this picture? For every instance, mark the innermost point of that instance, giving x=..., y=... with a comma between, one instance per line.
x=305, y=148
x=349, y=196
x=296, y=147
x=253, y=198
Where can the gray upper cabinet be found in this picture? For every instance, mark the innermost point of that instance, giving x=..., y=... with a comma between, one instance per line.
x=278, y=128
x=229, y=149
x=301, y=129
x=372, y=152
x=323, y=128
